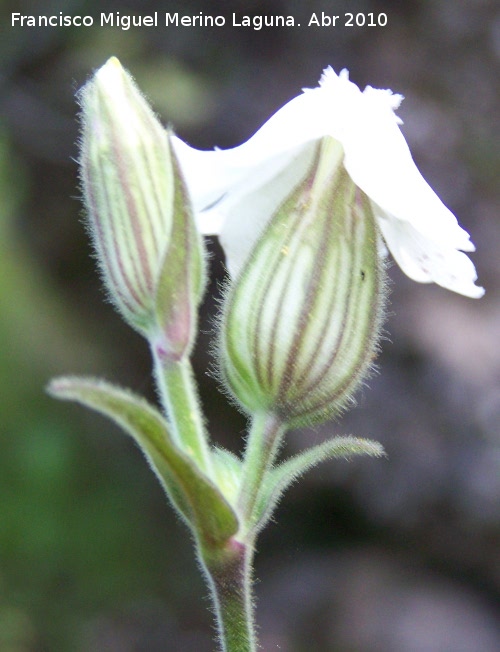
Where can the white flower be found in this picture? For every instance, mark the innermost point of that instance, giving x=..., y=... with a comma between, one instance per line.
x=236, y=191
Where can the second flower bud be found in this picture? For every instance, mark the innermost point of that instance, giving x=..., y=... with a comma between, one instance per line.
x=301, y=323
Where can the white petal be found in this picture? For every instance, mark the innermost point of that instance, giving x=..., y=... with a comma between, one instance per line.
x=235, y=191
x=212, y=176
x=379, y=161
x=207, y=175
x=426, y=261
x=247, y=210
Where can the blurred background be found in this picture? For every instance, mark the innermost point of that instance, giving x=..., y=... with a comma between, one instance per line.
x=398, y=555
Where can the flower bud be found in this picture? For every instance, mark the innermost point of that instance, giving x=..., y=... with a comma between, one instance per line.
x=139, y=213
x=301, y=323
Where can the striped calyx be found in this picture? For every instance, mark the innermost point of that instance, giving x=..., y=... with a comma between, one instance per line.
x=301, y=323
x=138, y=211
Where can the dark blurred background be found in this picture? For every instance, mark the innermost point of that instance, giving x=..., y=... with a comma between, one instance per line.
x=398, y=555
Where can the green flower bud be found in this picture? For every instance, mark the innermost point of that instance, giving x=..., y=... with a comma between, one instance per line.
x=139, y=213
x=301, y=323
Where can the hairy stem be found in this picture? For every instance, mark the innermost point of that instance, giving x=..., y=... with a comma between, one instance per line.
x=263, y=444
x=230, y=580
x=179, y=396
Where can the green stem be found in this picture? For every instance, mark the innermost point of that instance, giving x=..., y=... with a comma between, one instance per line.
x=230, y=570
x=179, y=396
x=230, y=580
x=263, y=444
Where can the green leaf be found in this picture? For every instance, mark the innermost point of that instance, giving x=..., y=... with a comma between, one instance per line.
x=282, y=476
x=195, y=496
